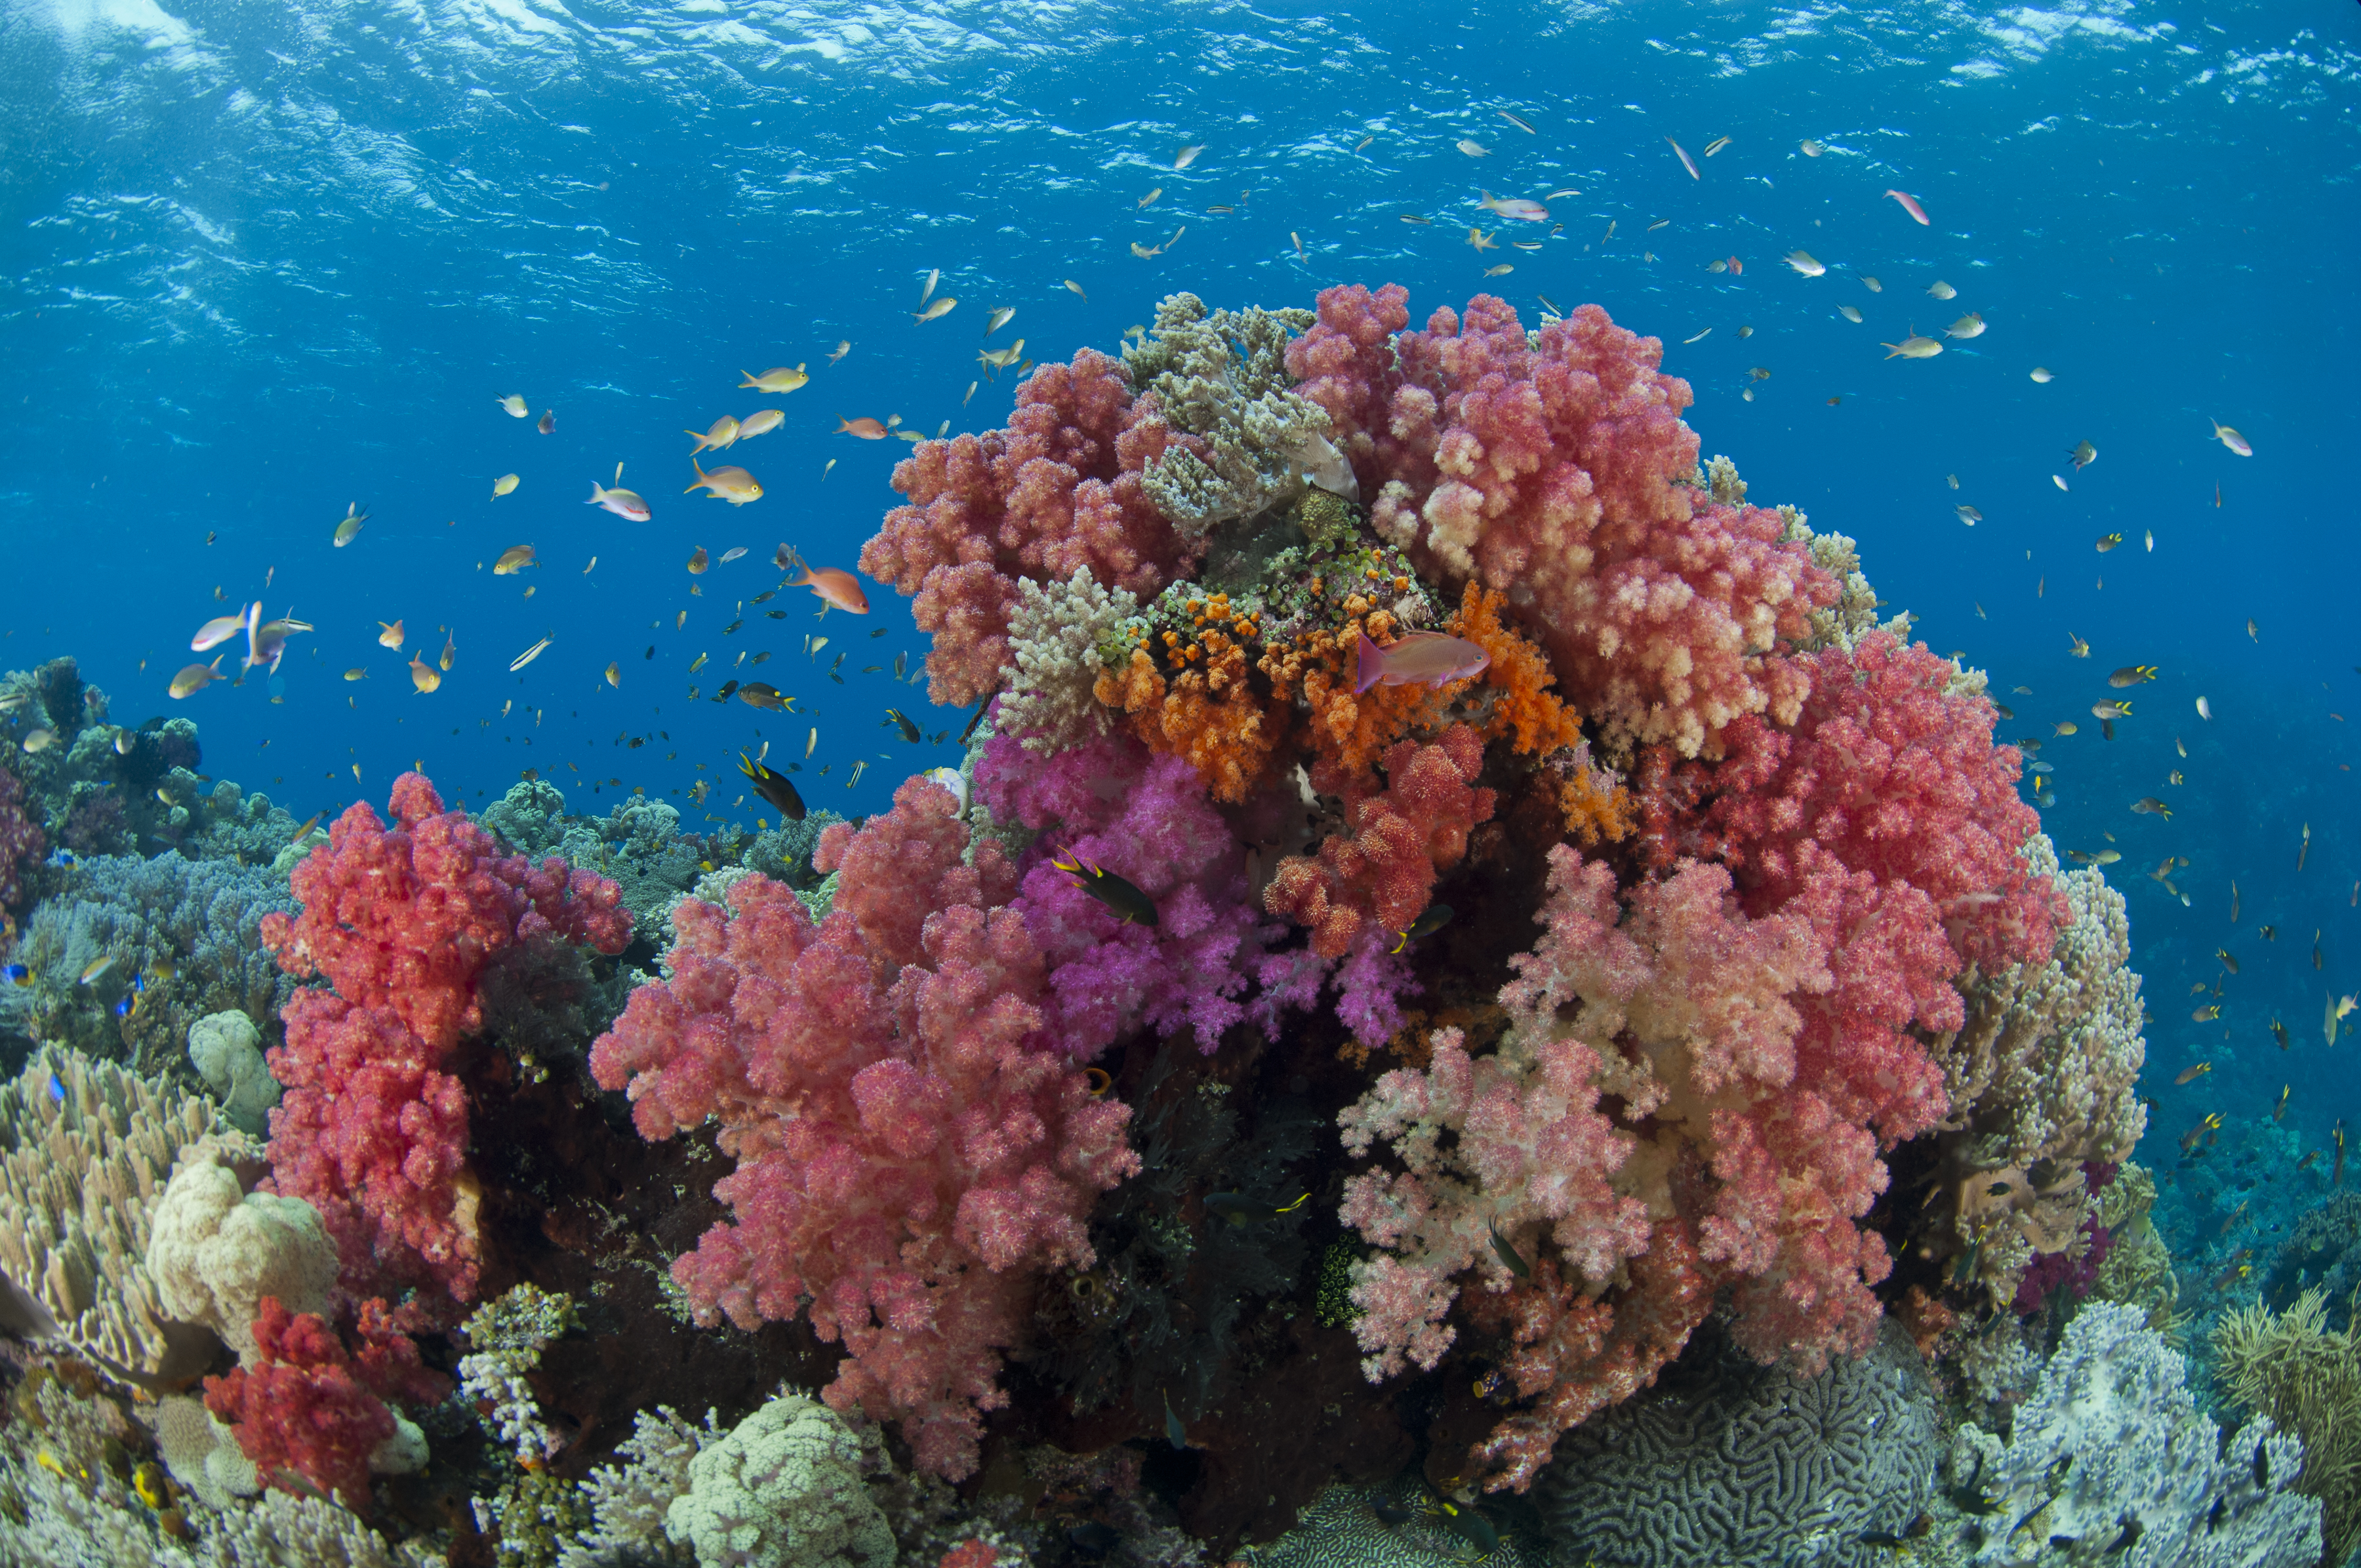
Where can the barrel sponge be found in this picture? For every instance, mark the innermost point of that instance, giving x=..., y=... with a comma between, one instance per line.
x=214, y=1249
x=782, y=1490
x=1732, y=1463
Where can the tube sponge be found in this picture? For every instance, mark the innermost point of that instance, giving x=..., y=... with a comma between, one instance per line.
x=782, y=1490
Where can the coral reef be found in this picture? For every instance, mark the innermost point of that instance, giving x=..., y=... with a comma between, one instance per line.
x=2289, y=1369
x=215, y=1250
x=909, y=1155
x=2110, y=1455
x=402, y=922
x=1729, y=1461
x=783, y=1489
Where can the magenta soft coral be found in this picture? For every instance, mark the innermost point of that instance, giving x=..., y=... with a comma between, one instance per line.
x=1059, y=488
x=911, y=1149
x=305, y=1405
x=401, y=920
x=1548, y=472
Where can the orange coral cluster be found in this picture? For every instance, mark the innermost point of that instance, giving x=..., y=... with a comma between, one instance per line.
x=1207, y=711
x=1523, y=706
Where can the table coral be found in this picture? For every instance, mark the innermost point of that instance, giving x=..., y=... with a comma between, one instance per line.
x=911, y=1149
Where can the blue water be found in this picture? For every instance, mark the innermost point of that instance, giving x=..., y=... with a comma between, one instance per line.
x=264, y=261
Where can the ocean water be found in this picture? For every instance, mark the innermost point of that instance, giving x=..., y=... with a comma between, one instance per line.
x=262, y=262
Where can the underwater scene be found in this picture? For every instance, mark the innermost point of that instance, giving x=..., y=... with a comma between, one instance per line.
x=1130, y=786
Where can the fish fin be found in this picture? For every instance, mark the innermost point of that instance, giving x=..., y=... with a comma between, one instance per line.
x=1371, y=666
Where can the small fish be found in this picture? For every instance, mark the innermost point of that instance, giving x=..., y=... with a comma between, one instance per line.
x=423, y=675
x=530, y=654
x=625, y=504
x=2084, y=455
x=2254, y=632
x=1495, y=270
x=1811, y=148
x=1516, y=207
x=2192, y=1074
x=1144, y=200
x=1705, y=334
x=698, y=563
x=1651, y=228
x=97, y=968
x=218, y=630
x=1130, y=906
x=832, y=584
x=865, y=428
x=1186, y=156
x=614, y=674
x=2279, y=1112
x=1430, y=919
x=2148, y=806
x=2207, y=1013
x=1481, y=240
x=2131, y=675
x=902, y=722
x=358, y=672
x=1849, y=314
x=1508, y=1254
x=2108, y=542
x=2231, y=439
x=2204, y=710
x=772, y=786
x=1174, y=1432
x=1873, y=285
x=726, y=484
x=503, y=485
x=1686, y=161
x=1804, y=262
x=761, y=421
x=1968, y=325
x=350, y=528
x=515, y=405
x=196, y=677
x=1240, y=1210
x=2279, y=1032
x=548, y=423
x=1913, y=347
x=450, y=651
x=941, y=307
x=1943, y=291
x=514, y=559
x=1145, y=252
x=1516, y=122
x=1422, y=658
x=779, y=379
x=762, y=695
x=1969, y=514
x=843, y=347
x=2059, y=481
x=389, y=636
x=1716, y=144
x=1472, y=148
x=2041, y=375
x=1910, y=204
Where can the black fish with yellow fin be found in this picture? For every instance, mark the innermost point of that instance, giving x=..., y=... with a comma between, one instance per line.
x=1240, y=1210
x=1509, y=1255
x=772, y=786
x=902, y=722
x=1430, y=919
x=1131, y=907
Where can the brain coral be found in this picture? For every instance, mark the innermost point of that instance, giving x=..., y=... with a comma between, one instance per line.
x=1740, y=1465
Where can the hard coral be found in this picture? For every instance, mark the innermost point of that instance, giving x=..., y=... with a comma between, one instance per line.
x=1058, y=489
x=402, y=921
x=911, y=1151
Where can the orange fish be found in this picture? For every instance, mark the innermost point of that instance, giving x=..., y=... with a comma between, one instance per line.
x=389, y=636
x=1736, y=267
x=423, y=675
x=726, y=484
x=1422, y=658
x=836, y=587
x=1910, y=204
x=867, y=429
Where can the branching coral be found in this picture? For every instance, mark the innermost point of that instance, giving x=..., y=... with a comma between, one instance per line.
x=1055, y=636
x=2306, y=1380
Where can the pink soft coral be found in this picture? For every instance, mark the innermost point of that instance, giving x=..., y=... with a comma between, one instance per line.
x=401, y=920
x=911, y=1150
x=1059, y=488
x=1548, y=472
x=21, y=838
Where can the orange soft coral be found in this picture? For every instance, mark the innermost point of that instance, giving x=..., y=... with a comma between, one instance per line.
x=1594, y=811
x=1348, y=730
x=1520, y=673
x=1207, y=713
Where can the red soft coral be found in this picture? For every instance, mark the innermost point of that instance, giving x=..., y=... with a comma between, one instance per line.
x=401, y=920
x=1380, y=873
x=21, y=838
x=305, y=1405
x=912, y=1149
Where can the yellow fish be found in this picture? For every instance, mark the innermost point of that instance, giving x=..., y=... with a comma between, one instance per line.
x=724, y=431
x=761, y=421
x=777, y=379
x=733, y=485
x=358, y=672
x=614, y=674
x=1849, y=314
x=450, y=651
x=941, y=307
x=515, y=558
x=1913, y=347
x=1968, y=325
x=196, y=677
x=351, y=525
x=515, y=405
x=423, y=675
x=503, y=484
x=389, y=636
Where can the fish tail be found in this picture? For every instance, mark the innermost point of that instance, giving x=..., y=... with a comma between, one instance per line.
x=598, y=493
x=1371, y=668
